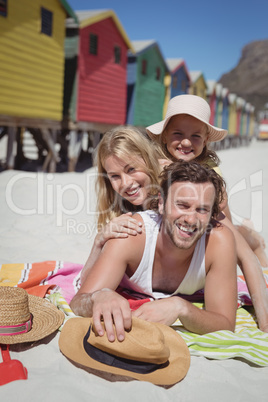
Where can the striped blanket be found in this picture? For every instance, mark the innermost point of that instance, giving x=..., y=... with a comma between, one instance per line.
x=59, y=281
x=40, y=278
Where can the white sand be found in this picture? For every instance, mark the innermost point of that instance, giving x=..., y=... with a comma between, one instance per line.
x=48, y=217
x=246, y=173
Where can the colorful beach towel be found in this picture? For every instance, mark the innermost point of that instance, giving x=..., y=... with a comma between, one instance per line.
x=247, y=342
x=243, y=293
x=40, y=278
x=59, y=281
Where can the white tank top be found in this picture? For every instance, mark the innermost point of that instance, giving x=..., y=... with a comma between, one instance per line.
x=141, y=280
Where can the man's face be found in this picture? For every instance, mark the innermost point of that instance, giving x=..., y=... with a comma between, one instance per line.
x=187, y=212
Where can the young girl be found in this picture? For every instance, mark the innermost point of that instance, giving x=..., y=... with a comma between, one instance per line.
x=184, y=134
x=127, y=181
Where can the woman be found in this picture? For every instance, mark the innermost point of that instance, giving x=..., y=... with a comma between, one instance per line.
x=127, y=182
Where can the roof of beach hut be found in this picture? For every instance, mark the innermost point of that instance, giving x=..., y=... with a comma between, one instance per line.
x=69, y=11
x=141, y=46
x=211, y=86
x=174, y=64
x=89, y=17
x=195, y=75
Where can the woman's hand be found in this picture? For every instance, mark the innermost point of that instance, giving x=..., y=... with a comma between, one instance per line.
x=119, y=227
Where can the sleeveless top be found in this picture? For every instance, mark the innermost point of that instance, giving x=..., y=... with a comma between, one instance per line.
x=141, y=281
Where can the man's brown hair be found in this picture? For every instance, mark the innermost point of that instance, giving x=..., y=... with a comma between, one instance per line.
x=193, y=172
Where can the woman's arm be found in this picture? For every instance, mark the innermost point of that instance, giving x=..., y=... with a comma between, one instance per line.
x=119, y=227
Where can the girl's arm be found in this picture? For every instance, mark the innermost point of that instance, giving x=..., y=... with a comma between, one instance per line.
x=254, y=240
x=254, y=277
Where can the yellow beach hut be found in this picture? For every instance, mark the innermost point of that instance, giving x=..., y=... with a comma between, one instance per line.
x=32, y=34
x=232, y=114
x=198, y=84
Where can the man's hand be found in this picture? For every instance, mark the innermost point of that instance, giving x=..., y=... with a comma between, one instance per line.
x=114, y=310
x=164, y=311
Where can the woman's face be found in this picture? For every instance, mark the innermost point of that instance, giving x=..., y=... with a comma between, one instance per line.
x=127, y=178
x=185, y=137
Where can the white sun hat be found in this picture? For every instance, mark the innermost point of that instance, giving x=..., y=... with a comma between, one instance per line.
x=191, y=105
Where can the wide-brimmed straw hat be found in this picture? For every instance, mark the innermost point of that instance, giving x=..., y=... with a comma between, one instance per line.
x=26, y=318
x=150, y=351
x=193, y=106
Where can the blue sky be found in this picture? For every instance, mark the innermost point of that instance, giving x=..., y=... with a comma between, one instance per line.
x=209, y=35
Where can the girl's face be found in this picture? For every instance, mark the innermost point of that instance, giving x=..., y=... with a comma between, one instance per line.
x=185, y=137
x=127, y=179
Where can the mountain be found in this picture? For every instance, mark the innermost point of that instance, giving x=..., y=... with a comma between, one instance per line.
x=249, y=79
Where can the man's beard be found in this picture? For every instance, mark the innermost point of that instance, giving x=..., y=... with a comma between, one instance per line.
x=181, y=243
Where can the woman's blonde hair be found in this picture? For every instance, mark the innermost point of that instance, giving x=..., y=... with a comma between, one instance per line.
x=126, y=143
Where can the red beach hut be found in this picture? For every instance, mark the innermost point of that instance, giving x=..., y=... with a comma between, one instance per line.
x=96, y=71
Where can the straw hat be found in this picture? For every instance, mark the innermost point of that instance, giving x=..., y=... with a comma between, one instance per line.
x=26, y=318
x=150, y=351
x=194, y=106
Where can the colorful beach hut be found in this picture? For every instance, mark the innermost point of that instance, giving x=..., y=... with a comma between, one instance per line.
x=198, y=84
x=252, y=121
x=232, y=124
x=211, y=98
x=240, y=103
x=95, y=96
x=32, y=36
x=225, y=108
x=245, y=121
x=180, y=77
x=146, y=83
x=178, y=82
x=218, y=108
x=246, y=125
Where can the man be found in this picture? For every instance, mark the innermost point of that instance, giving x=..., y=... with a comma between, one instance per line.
x=181, y=250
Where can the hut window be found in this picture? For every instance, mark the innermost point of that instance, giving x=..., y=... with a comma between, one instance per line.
x=158, y=73
x=46, y=21
x=183, y=85
x=117, y=55
x=175, y=82
x=144, y=67
x=3, y=8
x=93, y=44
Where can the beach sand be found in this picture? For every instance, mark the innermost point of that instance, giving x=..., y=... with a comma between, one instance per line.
x=52, y=217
